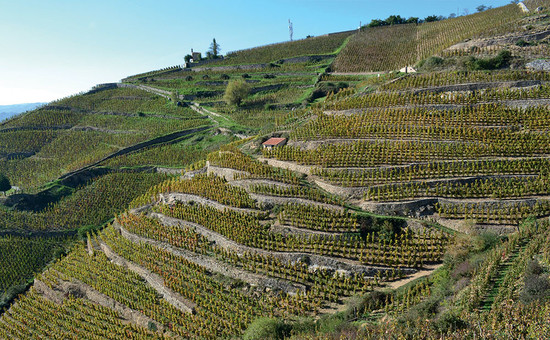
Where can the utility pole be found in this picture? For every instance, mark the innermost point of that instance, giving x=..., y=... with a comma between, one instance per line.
x=290, y=29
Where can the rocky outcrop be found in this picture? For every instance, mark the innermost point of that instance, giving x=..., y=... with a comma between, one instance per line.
x=78, y=289
x=539, y=65
x=171, y=198
x=227, y=173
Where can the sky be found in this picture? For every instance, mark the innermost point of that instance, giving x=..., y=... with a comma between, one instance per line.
x=55, y=48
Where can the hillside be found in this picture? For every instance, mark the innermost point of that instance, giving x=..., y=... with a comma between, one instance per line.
x=401, y=206
x=392, y=47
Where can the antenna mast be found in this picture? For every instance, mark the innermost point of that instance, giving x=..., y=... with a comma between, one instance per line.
x=290, y=29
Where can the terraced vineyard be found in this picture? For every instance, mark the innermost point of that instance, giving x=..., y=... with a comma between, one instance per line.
x=197, y=238
x=321, y=45
x=392, y=47
x=450, y=156
x=75, y=132
x=401, y=206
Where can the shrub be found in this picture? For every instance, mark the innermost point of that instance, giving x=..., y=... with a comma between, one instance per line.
x=7, y=296
x=174, y=97
x=464, y=269
x=431, y=63
x=224, y=77
x=521, y=43
x=373, y=300
x=303, y=326
x=537, y=287
x=205, y=77
x=487, y=240
x=4, y=183
x=188, y=78
x=461, y=284
x=423, y=310
x=449, y=322
x=236, y=92
x=59, y=253
x=323, y=89
x=501, y=60
x=245, y=76
x=333, y=323
x=267, y=328
x=533, y=268
x=152, y=326
x=83, y=231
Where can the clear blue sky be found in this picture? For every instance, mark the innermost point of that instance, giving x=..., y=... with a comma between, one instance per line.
x=51, y=49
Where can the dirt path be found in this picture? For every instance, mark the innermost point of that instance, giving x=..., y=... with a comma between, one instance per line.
x=211, y=114
x=196, y=107
x=421, y=273
x=162, y=93
x=348, y=192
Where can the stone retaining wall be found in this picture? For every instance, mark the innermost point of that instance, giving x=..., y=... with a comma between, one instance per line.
x=479, y=86
x=153, y=279
x=317, y=261
x=216, y=266
x=268, y=202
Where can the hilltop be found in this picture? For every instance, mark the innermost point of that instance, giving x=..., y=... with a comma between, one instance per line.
x=409, y=205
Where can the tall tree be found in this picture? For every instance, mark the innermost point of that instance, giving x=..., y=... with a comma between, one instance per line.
x=214, y=49
x=481, y=8
x=431, y=18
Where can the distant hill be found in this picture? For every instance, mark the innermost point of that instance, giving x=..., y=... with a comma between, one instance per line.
x=6, y=111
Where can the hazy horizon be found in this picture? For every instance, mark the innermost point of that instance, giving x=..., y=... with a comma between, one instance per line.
x=8, y=111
